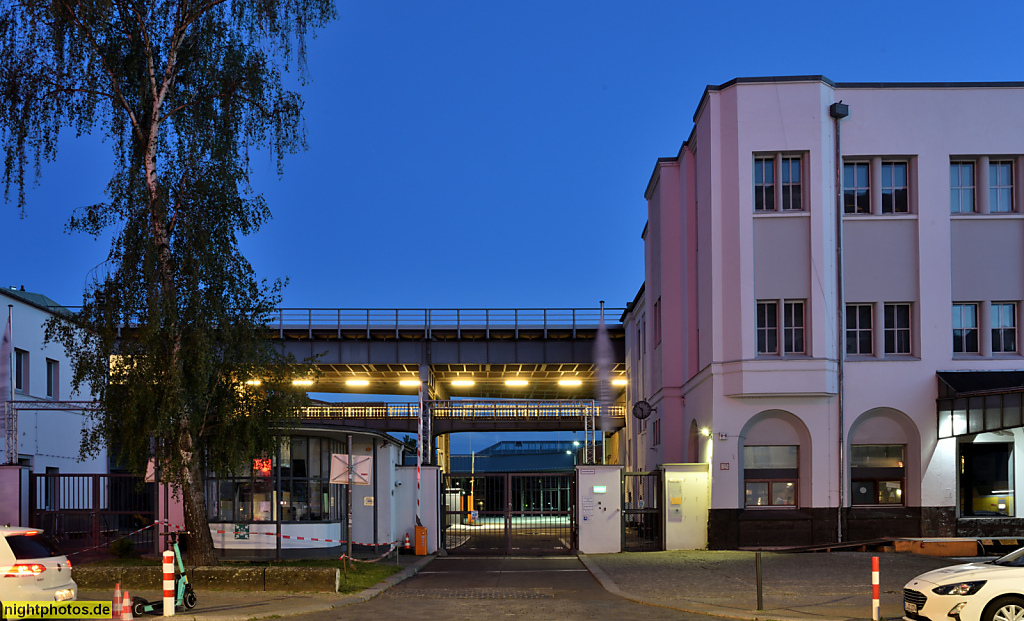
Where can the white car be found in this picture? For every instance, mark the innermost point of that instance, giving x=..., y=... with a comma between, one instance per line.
x=32, y=569
x=989, y=591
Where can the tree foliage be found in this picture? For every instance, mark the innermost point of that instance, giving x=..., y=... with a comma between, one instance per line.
x=182, y=91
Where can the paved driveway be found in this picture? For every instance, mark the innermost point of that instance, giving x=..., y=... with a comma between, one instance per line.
x=486, y=589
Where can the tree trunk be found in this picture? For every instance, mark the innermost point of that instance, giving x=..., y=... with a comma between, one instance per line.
x=200, y=542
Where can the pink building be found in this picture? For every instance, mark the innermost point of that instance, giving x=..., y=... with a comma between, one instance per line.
x=838, y=394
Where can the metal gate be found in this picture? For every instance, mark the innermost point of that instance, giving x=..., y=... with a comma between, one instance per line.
x=641, y=511
x=506, y=513
x=83, y=511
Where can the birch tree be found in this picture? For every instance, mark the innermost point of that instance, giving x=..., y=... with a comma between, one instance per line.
x=183, y=92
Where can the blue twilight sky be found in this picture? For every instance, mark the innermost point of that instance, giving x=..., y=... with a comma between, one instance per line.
x=495, y=154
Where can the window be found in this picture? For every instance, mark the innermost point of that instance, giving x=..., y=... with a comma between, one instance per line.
x=793, y=328
x=791, y=196
x=857, y=187
x=986, y=480
x=877, y=473
x=961, y=187
x=52, y=378
x=858, y=329
x=1004, y=327
x=897, y=328
x=306, y=493
x=657, y=322
x=894, y=187
x=656, y=432
x=1000, y=187
x=767, y=328
x=965, y=328
x=770, y=476
x=764, y=184
x=20, y=370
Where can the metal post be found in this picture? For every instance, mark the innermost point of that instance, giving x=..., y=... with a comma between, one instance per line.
x=277, y=501
x=351, y=478
x=760, y=598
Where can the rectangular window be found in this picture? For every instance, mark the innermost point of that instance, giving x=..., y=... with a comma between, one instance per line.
x=20, y=370
x=52, y=378
x=764, y=184
x=897, y=328
x=965, y=328
x=859, y=338
x=1004, y=327
x=793, y=327
x=961, y=187
x=986, y=480
x=768, y=327
x=857, y=187
x=877, y=472
x=894, y=187
x=1000, y=187
x=656, y=432
x=657, y=322
x=791, y=194
x=771, y=475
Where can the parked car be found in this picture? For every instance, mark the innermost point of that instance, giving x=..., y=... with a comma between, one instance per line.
x=981, y=591
x=32, y=568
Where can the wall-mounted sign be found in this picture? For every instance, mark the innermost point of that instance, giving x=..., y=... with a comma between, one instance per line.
x=368, y=501
x=241, y=531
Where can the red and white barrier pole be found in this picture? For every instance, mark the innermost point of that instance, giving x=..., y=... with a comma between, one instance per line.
x=168, y=583
x=874, y=588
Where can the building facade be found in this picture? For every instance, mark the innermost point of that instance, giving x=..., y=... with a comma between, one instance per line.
x=834, y=276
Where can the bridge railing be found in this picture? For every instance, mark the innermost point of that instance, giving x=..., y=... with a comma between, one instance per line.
x=375, y=320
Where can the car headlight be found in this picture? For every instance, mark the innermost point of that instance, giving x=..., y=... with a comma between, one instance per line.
x=960, y=588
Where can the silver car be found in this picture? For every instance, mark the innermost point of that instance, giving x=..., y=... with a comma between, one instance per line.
x=32, y=569
x=988, y=591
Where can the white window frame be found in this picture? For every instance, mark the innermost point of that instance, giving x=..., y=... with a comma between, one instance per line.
x=965, y=327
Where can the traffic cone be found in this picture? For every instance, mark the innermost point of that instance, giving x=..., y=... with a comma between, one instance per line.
x=126, y=608
x=407, y=546
x=117, y=601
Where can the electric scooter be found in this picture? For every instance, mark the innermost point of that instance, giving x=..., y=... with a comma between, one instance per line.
x=184, y=596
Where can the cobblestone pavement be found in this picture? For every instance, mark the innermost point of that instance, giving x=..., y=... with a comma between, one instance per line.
x=464, y=589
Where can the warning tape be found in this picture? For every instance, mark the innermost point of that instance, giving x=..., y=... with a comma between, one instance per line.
x=103, y=545
x=391, y=548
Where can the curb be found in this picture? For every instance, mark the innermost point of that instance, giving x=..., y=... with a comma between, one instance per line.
x=762, y=615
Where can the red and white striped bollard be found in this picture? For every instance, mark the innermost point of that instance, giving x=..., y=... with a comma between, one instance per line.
x=168, y=583
x=874, y=588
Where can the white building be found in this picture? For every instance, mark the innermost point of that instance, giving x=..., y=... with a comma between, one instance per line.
x=40, y=435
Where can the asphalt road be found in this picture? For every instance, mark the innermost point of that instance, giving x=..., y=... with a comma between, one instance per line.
x=475, y=589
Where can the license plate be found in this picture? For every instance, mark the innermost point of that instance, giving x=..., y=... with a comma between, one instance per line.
x=63, y=595
x=910, y=607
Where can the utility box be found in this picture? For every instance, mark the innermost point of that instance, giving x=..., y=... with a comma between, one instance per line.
x=421, y=541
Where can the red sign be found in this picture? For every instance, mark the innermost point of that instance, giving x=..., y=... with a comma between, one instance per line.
x=261, y=467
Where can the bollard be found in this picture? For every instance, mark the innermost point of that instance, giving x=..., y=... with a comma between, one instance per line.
x=757, y=563
x=874, y=588
x=168, y=583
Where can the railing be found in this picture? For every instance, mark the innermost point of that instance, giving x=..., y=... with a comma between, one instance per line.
x=486, y=410
x=369, y=320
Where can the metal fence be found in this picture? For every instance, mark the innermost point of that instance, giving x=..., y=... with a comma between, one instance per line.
x=466, y=409
x=82, y=511
x=641, y=511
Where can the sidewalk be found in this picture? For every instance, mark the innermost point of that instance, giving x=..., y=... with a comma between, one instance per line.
x=245, y=605
x=798, y=587
x=795, y=587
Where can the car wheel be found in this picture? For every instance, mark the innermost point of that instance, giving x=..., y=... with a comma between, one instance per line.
x=189, y=600
x=1005, y=609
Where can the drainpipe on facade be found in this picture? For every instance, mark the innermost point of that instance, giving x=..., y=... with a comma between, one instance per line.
x=839, y=111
